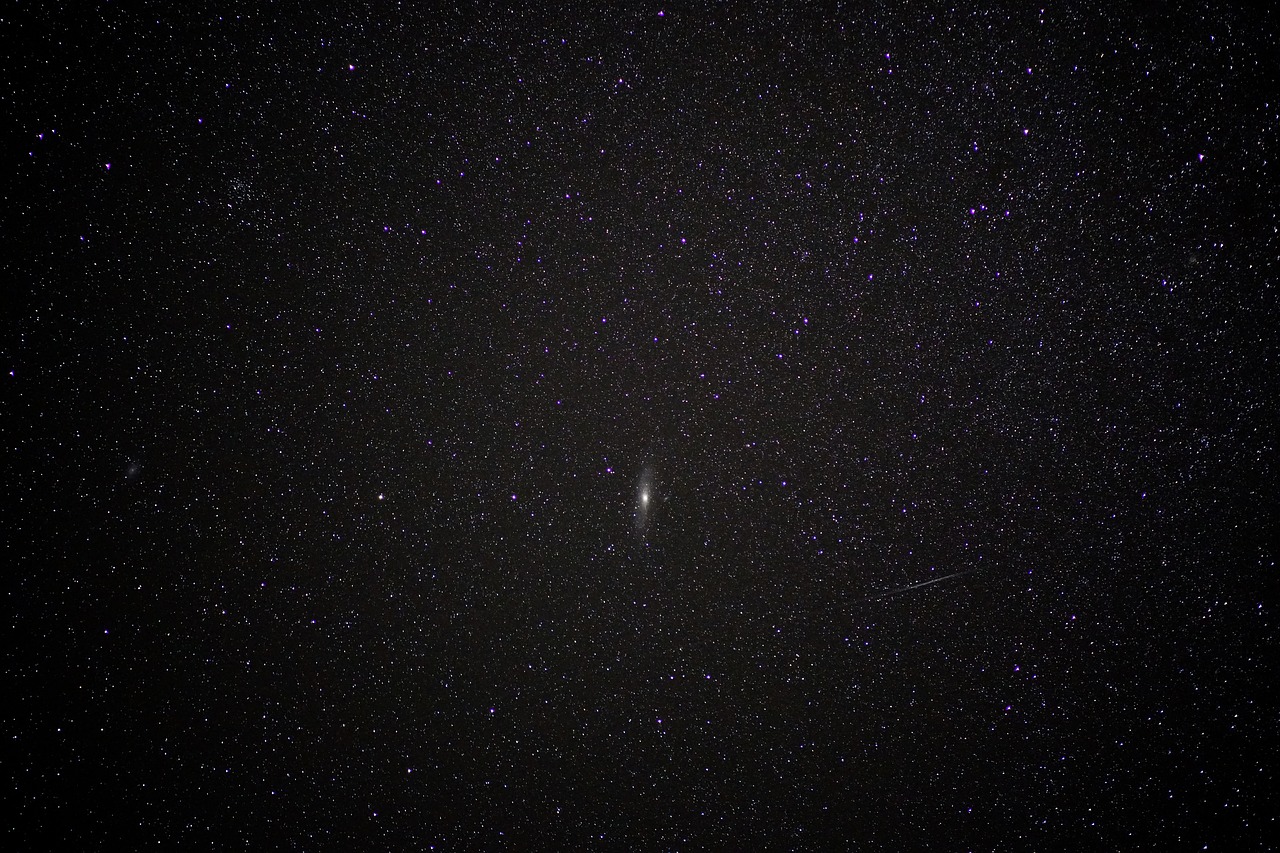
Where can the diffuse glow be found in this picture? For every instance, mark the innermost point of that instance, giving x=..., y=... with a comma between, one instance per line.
x=646, y=499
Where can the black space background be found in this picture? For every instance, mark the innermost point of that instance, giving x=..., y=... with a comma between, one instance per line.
x=326, y=404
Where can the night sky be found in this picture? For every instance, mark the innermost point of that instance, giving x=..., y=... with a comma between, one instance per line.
x=647, y=428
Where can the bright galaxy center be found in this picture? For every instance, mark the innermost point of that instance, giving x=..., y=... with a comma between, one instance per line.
x=645, y=500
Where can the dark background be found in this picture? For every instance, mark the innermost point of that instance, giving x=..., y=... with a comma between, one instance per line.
x=336, y=342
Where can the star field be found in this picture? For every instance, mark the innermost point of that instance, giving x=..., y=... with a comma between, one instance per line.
x=643, y=428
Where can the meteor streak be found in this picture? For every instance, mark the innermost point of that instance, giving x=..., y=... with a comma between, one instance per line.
x=910, y=587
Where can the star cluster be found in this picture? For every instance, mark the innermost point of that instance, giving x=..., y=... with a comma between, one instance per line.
x=650, y=428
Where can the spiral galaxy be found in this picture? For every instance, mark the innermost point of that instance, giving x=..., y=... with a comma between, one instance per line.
x=646, y=500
